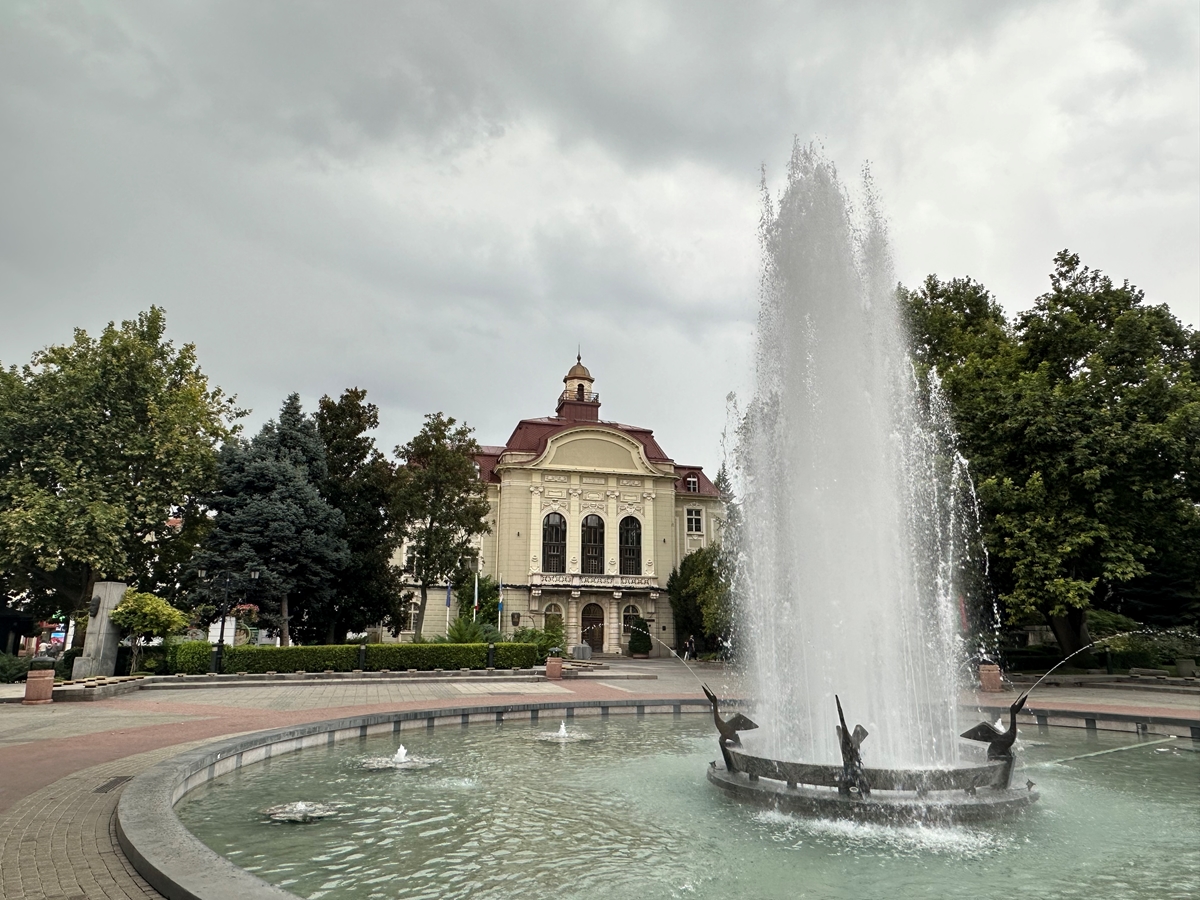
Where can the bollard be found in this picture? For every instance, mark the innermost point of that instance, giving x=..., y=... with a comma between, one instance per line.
x=989, y=678
x=491, y=656
x=39, y=686
x=362, y=657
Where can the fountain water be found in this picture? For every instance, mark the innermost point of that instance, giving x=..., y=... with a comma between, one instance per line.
x=854, y=528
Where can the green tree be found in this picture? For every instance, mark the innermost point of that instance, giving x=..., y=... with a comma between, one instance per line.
x=107, y=446
x=464, y=594
x=362, y=484
x=443, y=500
x=146, y=616
x=1081, y=420
x=271, y=518
x=700, y=596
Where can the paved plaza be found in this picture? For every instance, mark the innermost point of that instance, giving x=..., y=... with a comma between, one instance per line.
x=62, y=765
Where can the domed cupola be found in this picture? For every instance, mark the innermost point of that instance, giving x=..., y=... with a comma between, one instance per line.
x=578, y=401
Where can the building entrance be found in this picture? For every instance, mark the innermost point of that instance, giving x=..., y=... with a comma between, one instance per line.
x=591, y=623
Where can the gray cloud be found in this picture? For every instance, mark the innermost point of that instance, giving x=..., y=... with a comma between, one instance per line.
x=437, y=202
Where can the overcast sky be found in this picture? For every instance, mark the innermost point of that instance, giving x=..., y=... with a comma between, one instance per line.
x=439, y=202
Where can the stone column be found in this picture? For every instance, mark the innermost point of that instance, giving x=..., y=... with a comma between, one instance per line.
x=648, y=499
x=612, y=630
x=535, y=529
x=614, y=526
x=572, y=624
x=99, y=657
x=574, y=532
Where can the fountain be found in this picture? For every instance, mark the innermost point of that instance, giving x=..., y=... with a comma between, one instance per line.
x=399, y=760
x=299, y=812
x=855, y=544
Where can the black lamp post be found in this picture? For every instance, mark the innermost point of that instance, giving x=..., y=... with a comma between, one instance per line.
x=225, y=578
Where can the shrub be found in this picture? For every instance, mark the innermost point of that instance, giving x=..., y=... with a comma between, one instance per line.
x=639, y=636
x=66, y=662
x=191, y=657
x=12, y=667
x=1102, y=623
x=543, y=640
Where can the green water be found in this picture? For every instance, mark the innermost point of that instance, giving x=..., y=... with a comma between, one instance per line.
x=630, y=814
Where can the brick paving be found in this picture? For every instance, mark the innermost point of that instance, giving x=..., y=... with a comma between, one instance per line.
x=57, y=838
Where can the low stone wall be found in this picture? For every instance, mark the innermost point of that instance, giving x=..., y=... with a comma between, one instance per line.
x=180, y=867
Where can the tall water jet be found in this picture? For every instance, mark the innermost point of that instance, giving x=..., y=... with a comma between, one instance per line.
x=851, y=542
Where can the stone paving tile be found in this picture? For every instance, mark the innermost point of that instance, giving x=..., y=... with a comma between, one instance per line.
x=60, y=842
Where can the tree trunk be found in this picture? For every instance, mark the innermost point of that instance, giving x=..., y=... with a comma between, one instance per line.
x=134, y=647
x=1071, y=630
x=85, y=598
x=285, y=637
x=420, y=623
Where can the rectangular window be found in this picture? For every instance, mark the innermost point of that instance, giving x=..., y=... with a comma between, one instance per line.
x=695, y=523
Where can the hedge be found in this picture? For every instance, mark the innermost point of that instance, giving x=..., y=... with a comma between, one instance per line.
x=193, y=657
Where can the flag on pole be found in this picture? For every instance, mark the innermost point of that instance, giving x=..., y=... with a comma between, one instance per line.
x=447, y=596
x=500, y=613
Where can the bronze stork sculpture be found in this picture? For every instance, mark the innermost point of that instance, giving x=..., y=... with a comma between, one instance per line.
x=853, y=775
x=727, y=728
x=999, y=742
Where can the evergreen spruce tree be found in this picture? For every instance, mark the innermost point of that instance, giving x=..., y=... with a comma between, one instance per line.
x=271, y=518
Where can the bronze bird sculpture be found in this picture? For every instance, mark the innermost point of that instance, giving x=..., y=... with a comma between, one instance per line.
x=728, y=728
x=852, y=764
x=999, y=742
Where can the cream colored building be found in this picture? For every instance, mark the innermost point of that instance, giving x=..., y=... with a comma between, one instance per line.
x=588, y=518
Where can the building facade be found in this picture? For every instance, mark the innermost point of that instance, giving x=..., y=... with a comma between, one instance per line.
x=588, y=518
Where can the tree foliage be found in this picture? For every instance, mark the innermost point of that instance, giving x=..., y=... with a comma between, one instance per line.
x=271, y=518
x=444, y=502
x=106, y=446
x=699, y=589
x=362, y=484
x=145, y=616
x=1081, y=420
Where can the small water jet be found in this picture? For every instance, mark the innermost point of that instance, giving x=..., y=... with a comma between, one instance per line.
x=399, y=760
x=563, y=735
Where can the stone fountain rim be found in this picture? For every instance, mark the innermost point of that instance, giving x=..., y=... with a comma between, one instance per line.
x=180, y=867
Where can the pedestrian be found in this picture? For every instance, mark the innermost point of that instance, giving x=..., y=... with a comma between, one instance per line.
x=689, y=648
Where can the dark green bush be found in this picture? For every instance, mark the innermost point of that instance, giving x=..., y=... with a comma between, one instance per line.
x=250, y=658
x=192, y=657
x=66, y=662
x=543, y=640
x=12, y=667
x=639, y=636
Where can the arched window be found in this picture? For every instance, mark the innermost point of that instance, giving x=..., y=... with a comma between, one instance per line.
x=627, y=618
x=631, y=546
x=554, y=543
x=554, y=618
x=579, y=392
x=692, y=483
x=593, y=545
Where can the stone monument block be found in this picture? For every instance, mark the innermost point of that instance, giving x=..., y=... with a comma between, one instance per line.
x=99, y=657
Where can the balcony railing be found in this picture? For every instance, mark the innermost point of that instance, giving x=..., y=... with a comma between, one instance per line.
x=586, y=396
x=608, y=582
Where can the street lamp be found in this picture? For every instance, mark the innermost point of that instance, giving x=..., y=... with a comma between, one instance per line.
x=225, y=578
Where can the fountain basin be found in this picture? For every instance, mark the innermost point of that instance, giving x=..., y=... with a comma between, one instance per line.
x=927, y=807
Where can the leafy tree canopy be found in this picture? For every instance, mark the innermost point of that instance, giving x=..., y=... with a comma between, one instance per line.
x=106, y=446
x=1081, y=420
x=145, y=616
x=699, y=591
x=362, y=484
x=444, y=502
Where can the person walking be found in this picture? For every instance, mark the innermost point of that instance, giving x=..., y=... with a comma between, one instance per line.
x=689, y=648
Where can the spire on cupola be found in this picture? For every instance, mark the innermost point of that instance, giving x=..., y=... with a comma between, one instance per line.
x=578, y=401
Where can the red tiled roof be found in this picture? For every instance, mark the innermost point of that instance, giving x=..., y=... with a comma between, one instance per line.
x=531, y=435
x=486, y=458
x=706, y=487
